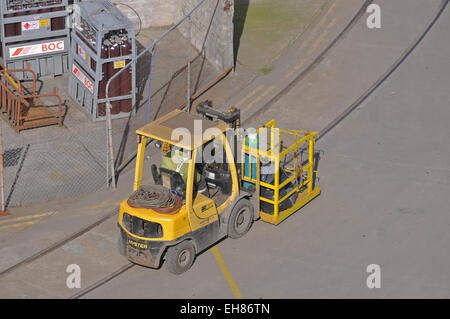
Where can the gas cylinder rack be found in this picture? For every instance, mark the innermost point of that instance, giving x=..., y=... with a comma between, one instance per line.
x=34, y=32
x=103, y=42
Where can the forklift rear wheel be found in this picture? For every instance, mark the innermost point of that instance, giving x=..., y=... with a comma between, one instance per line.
x=241, y=219
x=180, y=258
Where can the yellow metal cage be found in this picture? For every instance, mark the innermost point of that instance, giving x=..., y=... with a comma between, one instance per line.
x=300, y=173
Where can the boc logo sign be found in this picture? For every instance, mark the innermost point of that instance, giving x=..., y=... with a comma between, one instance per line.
x=42, y=48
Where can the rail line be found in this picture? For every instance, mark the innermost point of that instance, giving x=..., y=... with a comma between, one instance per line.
x=103, y=281
x=322, y=133
x=349, y=26
x=386, y=75
x=333, y=123
x=58, y=244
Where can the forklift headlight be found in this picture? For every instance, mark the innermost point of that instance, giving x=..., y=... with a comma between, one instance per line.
x=141, y=227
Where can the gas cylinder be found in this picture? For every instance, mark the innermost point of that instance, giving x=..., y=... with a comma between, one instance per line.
x=125, y=76
x=114, y=88
x=85, y=41
x=33, y=5
x=58, y=22
x=10, y=28
x=105, y=78
x=19, y=24
x=43, y=9
x=93, y=64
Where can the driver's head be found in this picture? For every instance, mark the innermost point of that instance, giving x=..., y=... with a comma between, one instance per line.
x=165, y=148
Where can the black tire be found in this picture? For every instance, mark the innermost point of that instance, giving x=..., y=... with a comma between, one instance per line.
x=179, y=258
x=241, y=219
x=121, y=246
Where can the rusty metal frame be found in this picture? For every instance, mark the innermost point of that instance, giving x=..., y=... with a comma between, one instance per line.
x=14, y=96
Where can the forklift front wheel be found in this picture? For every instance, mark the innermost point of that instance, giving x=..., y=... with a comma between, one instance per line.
x=179, y=258
x=241, y=219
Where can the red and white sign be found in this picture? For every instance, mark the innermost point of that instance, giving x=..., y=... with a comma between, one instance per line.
x=41, y=48
x=30, y=25
x=83, y=53
x=83, y=78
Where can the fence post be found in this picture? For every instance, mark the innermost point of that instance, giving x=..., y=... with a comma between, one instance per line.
x=110, y=143
x=147, y=118
x=188, y=105
x=3, y=212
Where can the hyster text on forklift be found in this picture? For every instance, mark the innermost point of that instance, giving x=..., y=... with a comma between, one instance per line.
x=195, y=200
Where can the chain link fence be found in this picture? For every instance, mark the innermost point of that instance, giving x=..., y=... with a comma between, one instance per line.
x=53, y=163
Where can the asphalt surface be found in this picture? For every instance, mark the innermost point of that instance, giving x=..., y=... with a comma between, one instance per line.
x=385, y=178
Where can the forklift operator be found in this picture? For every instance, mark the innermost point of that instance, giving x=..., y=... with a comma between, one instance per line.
x=180, y=165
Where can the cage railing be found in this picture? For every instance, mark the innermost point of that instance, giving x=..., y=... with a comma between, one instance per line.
x=273, y=158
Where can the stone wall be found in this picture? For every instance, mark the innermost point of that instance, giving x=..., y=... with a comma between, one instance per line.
x=153, y=13
x=212, y=24
x=212, y=29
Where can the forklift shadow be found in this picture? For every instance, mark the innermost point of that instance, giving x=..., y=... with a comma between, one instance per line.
x=317, y=157
x=197, y=255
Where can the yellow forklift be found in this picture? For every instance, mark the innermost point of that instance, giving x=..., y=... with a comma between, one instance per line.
x=173, y=218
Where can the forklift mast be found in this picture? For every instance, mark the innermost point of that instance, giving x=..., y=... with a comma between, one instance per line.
x=232, y=117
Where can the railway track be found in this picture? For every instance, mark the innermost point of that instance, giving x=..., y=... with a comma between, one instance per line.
x=386, y=75
x=330, y=126
x=58, y=244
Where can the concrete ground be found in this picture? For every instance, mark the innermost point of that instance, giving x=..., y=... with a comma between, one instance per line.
x=382, y=172
x=32, y=229
x=384, y=183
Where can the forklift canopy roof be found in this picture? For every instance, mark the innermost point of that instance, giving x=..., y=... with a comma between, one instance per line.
x=162, y=129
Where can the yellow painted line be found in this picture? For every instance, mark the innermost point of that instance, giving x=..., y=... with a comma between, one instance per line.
x=268, y=91
x=226, y=273
x=249, y=96
x=259, y=98
x=27, y=217
x=318, y=41
x=322, y=36
x=20, y=224
x=85, y=244
x=300, y=65
x=95, y=209
x=103, y=204
x=332, y=23
x=319, y=25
